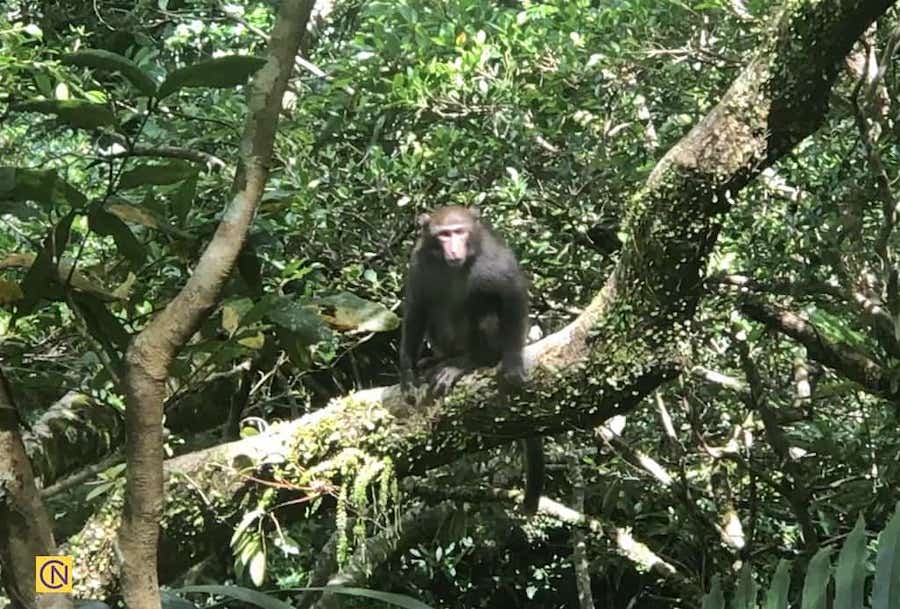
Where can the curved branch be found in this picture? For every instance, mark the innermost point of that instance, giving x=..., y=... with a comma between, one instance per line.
x=152, y=351
x=173, y=152
x=840, y=357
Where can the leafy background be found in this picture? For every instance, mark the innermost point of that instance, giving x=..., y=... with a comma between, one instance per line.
x=547, y=116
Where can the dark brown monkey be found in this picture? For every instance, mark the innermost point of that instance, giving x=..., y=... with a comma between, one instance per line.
x=466, y=293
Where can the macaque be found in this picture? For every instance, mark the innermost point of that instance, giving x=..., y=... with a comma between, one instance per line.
x=467, y=295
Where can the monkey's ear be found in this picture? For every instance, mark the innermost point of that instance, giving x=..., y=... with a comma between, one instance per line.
x=423, y=220
x=476, y=213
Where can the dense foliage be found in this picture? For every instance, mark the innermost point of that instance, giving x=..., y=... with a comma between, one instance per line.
x=119, y=144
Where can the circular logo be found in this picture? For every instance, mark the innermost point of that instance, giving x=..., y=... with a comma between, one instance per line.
x=54, y=574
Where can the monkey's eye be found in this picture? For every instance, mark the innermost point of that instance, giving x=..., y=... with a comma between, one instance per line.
x=451, y=232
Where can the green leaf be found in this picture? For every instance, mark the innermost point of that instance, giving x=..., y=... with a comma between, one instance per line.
x=295, y=346
x=128, y=212
x=777, y=596
x=397, y=600
x=45, y=87
x=715, y=598
x=850, y=575
x=302, y=320
x=40, y=186
x=246, y=520
x=257, y=567
x=232, y=312
x=220, y=73
x=269, y=602
x=349, y=312
x=60, y=276
x=746, y=590
x=60, y=235
x=248, y=546
x=287, y=544
x=109, y=225
x=74, y=112
x=245, y=595
x=143, y=215
x=815, y=586
x=168, y=173
x=836, y=329
x=99, y=490
x=99, y=59
x=261, y=308
x=37, y=283
x=102, y=325
x=39, y=280
x=886, y=587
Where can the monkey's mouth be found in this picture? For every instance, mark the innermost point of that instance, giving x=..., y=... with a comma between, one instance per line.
x=456, y=262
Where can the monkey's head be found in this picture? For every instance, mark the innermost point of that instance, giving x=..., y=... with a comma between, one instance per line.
x=452, y=233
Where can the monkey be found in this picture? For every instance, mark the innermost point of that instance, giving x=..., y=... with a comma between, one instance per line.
x=466, y=293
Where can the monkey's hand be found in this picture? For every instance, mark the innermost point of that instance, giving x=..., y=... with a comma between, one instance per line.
x=512, y=371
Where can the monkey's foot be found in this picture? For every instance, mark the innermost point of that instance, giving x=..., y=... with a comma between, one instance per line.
x=444, y=377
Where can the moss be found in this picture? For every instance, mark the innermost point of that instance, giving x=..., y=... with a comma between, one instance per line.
x=355, y=459
x=343, y=545
x=94, y=549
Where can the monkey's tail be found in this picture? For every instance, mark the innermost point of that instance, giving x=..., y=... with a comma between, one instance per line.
x=533, y=451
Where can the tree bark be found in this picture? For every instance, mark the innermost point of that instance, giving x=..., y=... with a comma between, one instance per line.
x=151, y=352
x=580, y=562
x=25, y=527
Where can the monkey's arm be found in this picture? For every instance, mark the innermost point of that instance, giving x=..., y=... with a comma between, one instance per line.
x=415, y=320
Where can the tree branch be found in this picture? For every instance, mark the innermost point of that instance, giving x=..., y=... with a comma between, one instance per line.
x=26, y=530
x=152, y=351
x=841, y=358
x=794, y=489
x=173, y=152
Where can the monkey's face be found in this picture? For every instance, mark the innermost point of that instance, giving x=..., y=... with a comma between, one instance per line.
x=449, y=234
x=454, y=240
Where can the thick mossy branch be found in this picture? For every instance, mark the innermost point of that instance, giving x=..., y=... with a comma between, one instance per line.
x=672, y=223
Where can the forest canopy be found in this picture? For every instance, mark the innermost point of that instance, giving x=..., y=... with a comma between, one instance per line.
x=207, y=213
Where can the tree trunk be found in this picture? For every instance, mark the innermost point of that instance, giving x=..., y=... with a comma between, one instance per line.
x=25, y=527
